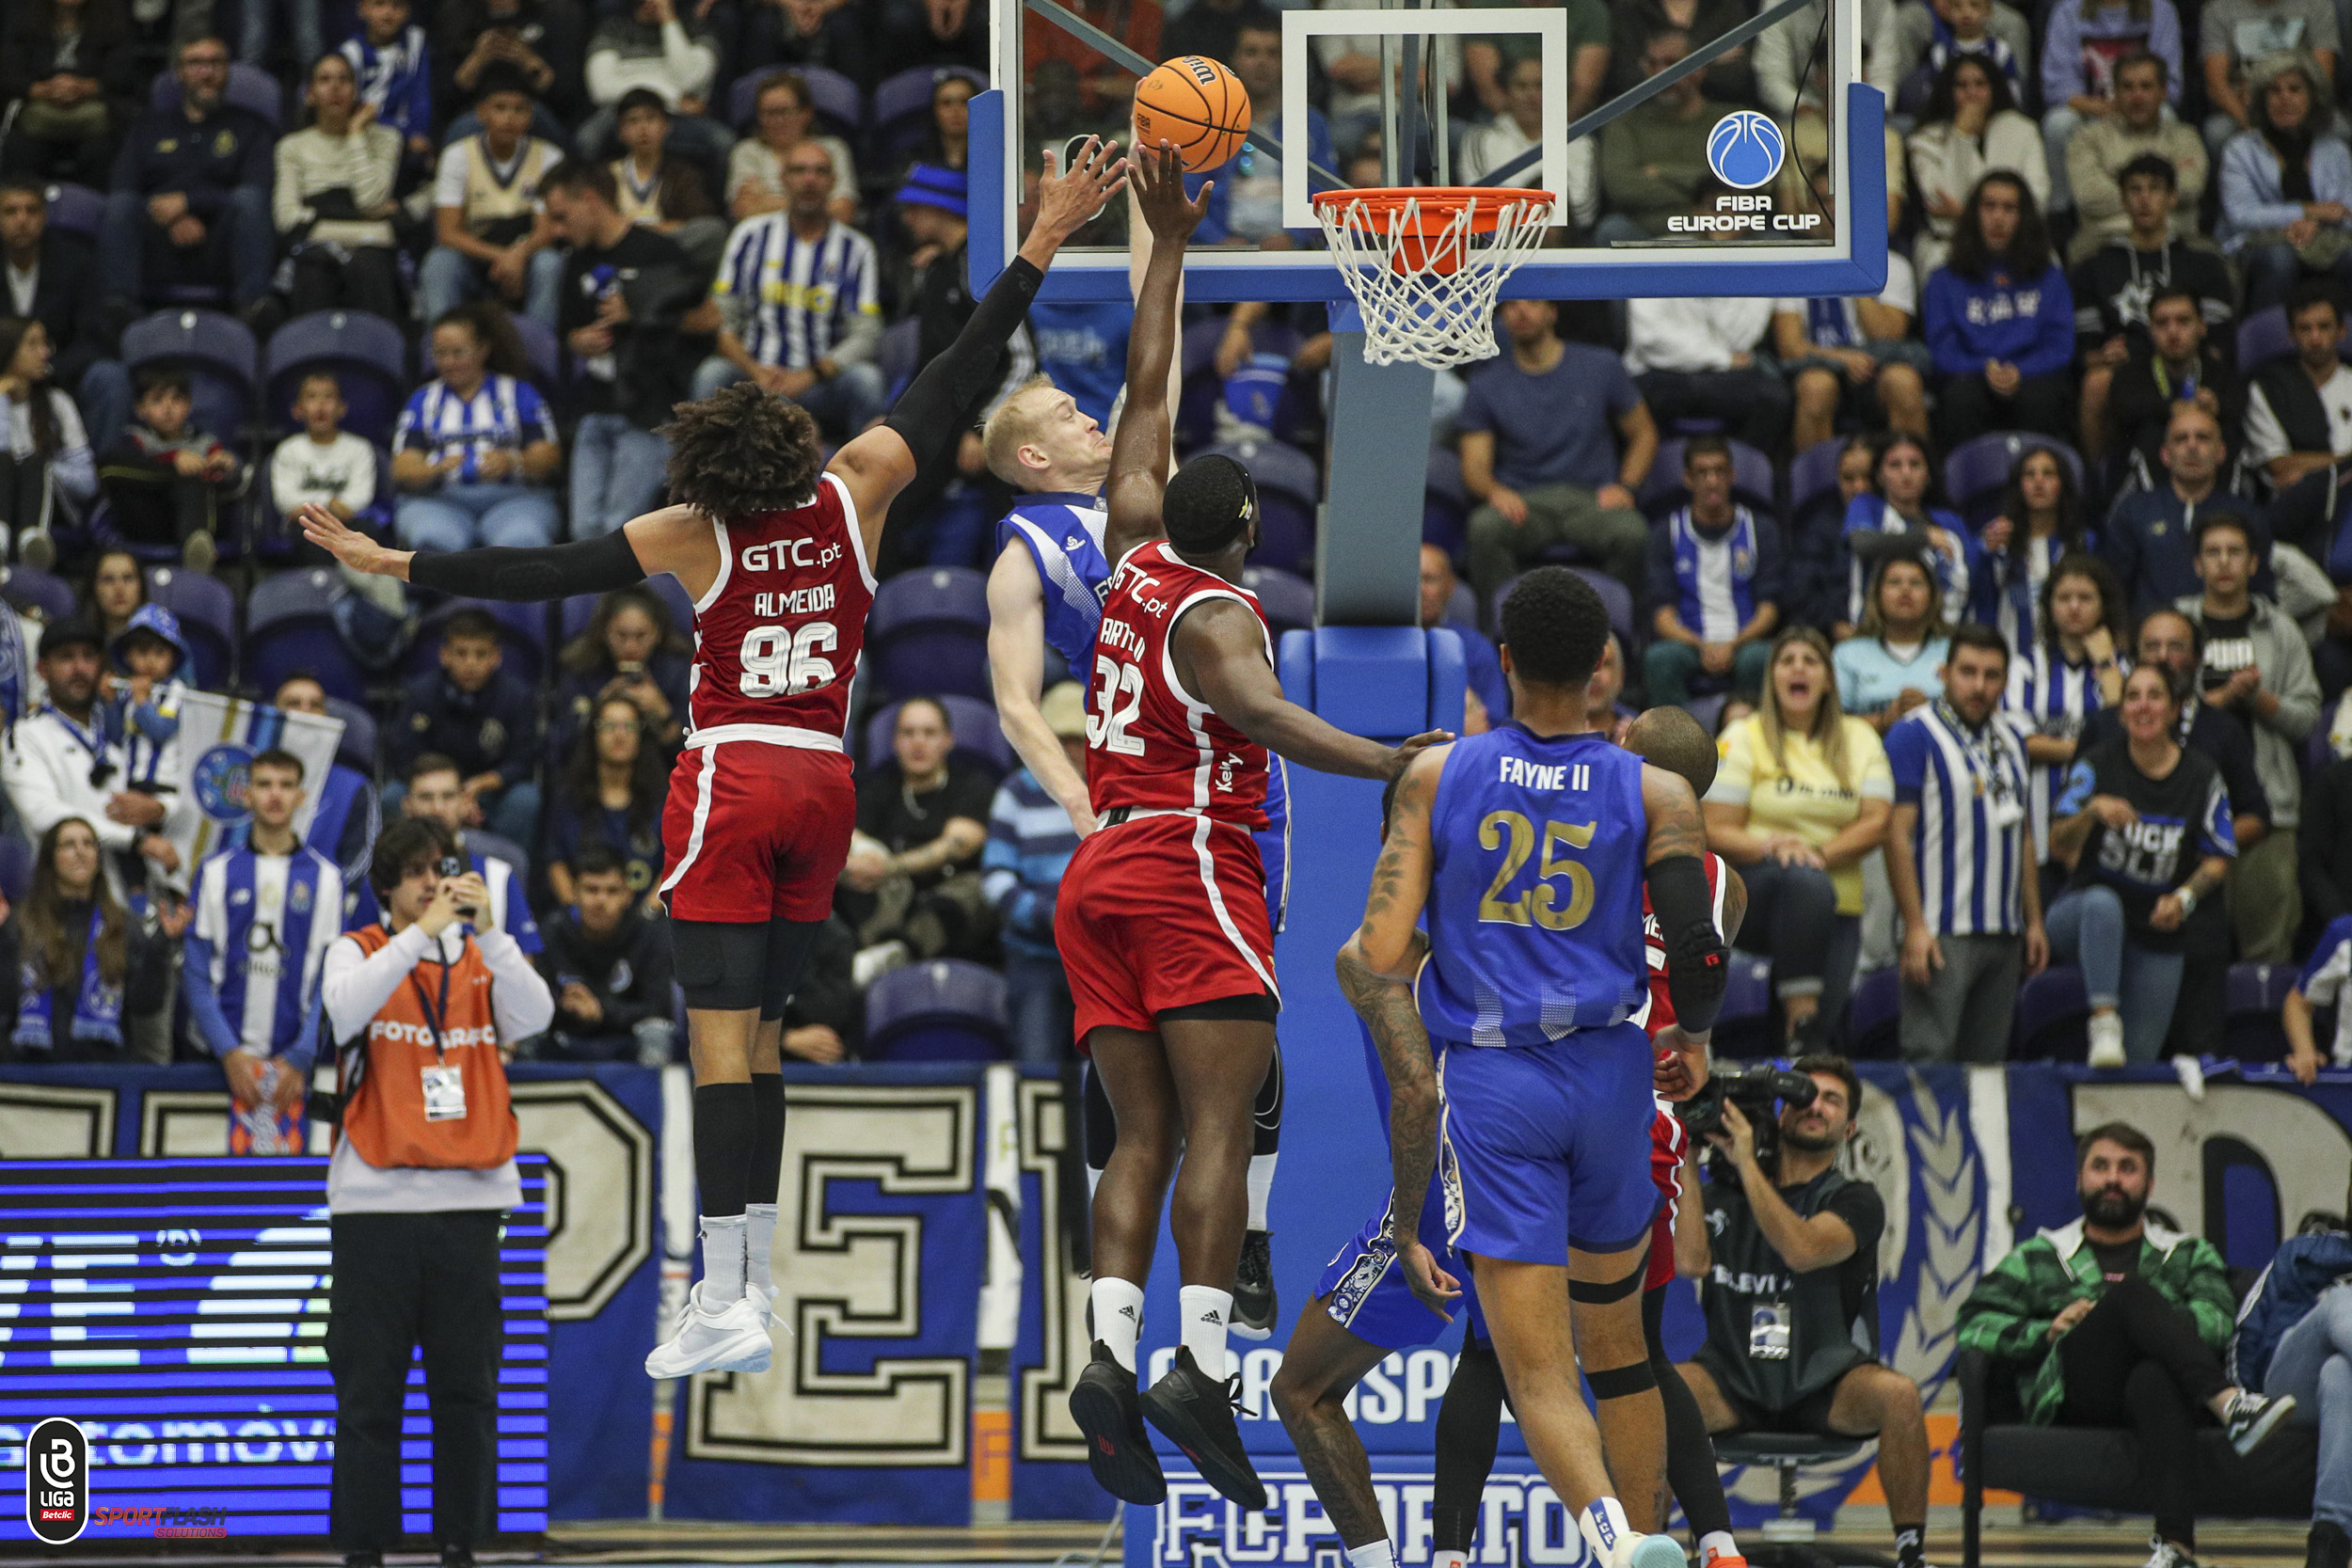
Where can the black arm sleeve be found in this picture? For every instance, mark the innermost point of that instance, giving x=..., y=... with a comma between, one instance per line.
x=928, y=413
x=1697, y=968
x=548, y=572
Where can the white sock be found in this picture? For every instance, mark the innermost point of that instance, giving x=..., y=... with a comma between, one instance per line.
x=759, y=1236
x=1372, y=1554
x=1094, y=1179
x=1605, y=1528
x=1449, y=1559
x=1206, y=1312
x=1118, y=1318
x=1261, y=1188
x=722, y=1260
x=1715, y=1544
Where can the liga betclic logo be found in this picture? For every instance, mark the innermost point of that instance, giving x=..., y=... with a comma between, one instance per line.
x=57, y=1480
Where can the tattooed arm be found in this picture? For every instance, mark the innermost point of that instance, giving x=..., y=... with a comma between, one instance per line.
x=1376, y=970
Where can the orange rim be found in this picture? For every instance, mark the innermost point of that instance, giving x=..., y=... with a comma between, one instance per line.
x=1435, y=205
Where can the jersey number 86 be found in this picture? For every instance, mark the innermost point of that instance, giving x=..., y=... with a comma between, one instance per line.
x=781, y=662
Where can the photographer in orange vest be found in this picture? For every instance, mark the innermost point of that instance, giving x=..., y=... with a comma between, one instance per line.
x=426, y=1009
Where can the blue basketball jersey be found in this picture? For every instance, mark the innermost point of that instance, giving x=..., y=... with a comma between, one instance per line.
x=1535, y=900
x=1063, y=532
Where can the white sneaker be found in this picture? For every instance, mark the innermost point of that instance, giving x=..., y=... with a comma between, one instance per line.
x=767, y=1295
x=2106, y=1041
x=2163, y=1554
x=872, y=963
x=732, y=1339
x=1650, y=1551
x=2192, y=1075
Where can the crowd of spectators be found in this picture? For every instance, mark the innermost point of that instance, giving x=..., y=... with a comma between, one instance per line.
x=577, y=213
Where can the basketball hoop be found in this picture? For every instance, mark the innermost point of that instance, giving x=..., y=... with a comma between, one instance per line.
x=1425, y=263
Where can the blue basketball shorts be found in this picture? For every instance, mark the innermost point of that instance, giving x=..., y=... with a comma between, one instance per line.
x=1363, y=1287
x=1553, y=1143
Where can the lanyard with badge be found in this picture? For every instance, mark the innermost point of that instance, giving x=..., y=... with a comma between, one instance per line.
x=444, y=1086
x=2003, y=797
x=92, y=741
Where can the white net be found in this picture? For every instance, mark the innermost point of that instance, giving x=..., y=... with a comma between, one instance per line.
x=1425, y=270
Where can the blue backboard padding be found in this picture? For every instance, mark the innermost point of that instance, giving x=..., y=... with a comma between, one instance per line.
x=1365, y=678
x=1102, y=275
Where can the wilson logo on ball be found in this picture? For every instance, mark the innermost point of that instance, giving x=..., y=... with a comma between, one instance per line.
x=1746, y=149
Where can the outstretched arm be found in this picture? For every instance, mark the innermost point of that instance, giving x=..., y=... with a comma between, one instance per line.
x=1140, y=445
x=676, y=539
x=926, y=423
x=1221, y=653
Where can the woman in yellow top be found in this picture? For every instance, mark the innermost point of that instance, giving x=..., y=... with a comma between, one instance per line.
x=1802, y=795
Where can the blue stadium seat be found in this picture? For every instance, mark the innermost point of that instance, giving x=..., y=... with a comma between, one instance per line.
x=928, y=633
x=76, y=210
x=1288, y=488
x=1445, y=505
x=1288, y=601
x=365, y=354
x=977, y=734
x=901, y=110
x=940, y=1010
x=902, y=346
x=840, y=108
x=1708, y=710
x=30, y=589
x=357, y=748
x=547, y=359
x=1743, y=1027
x=290, y=628
x=220, y=354
x=1813, y=476
x=2053, y=1015
x=1752, y=483
x=2265, y=336
x=1976, y=471
x=2256, y=993
x=208, y=619
x=249, y=87
x=522, y=636
x=1873, y=1013
x=16, y=868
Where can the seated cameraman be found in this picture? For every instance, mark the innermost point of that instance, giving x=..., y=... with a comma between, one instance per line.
x=423, y=1010
x=2116, y=1320
x=1791, y=1296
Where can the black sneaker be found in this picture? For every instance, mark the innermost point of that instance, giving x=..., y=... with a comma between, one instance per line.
x=1196, y=1414
x=1254, y=1307
x=2328, y=1546
x=2251, y=1418
x=1105, y=1406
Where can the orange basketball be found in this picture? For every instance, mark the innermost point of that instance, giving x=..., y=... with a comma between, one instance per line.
x=1196, y=104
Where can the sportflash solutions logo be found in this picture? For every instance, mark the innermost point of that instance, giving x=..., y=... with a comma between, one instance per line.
x=1745, y=151
x=57, y=1480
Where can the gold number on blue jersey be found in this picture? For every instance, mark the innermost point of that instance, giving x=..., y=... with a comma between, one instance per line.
x=1539, y=904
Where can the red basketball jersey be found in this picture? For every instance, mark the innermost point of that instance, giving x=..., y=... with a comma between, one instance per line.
x=1661, y=1005
x=1151, y=744
x=778, y=637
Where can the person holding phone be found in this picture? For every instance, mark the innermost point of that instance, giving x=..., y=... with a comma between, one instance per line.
x=425, y=1009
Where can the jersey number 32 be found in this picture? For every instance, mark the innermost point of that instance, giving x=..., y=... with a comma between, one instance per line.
x=781, y=662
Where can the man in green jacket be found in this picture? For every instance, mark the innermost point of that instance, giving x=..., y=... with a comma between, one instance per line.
x=2116, y=1320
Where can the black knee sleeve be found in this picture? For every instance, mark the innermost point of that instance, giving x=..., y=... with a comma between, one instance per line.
x=1269, y=1111
x=1469, y=1424
x=718, y=963
x=1101, y=1126
x=1616, y=1383
x=725, y=1119
x=789, y=943
x=767, y=1159
x=1597, y=1294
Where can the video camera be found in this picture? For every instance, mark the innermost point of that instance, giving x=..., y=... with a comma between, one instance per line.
x=1755, y=1090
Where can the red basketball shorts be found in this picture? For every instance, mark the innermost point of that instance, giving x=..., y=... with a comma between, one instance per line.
x=756, y=831
x=1164, y=911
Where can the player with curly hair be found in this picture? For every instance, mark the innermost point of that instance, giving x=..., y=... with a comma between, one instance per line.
x=774, y=546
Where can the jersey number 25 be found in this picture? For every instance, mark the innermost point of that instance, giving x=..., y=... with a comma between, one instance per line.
x=1538, y=905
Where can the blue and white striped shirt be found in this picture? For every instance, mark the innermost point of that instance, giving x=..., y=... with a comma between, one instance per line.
x=790, y=301
x=1716, y=577
x=1030, y=845
x=502, y=412
x=2054, y=698
x=257, y=948
x=1972, y=864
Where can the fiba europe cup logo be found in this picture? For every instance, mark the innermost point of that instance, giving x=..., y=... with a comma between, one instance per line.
x=1746, y=149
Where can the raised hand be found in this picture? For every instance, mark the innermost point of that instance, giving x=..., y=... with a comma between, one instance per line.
x=1159, y=178
x=1066, y=201
x=349, y=546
